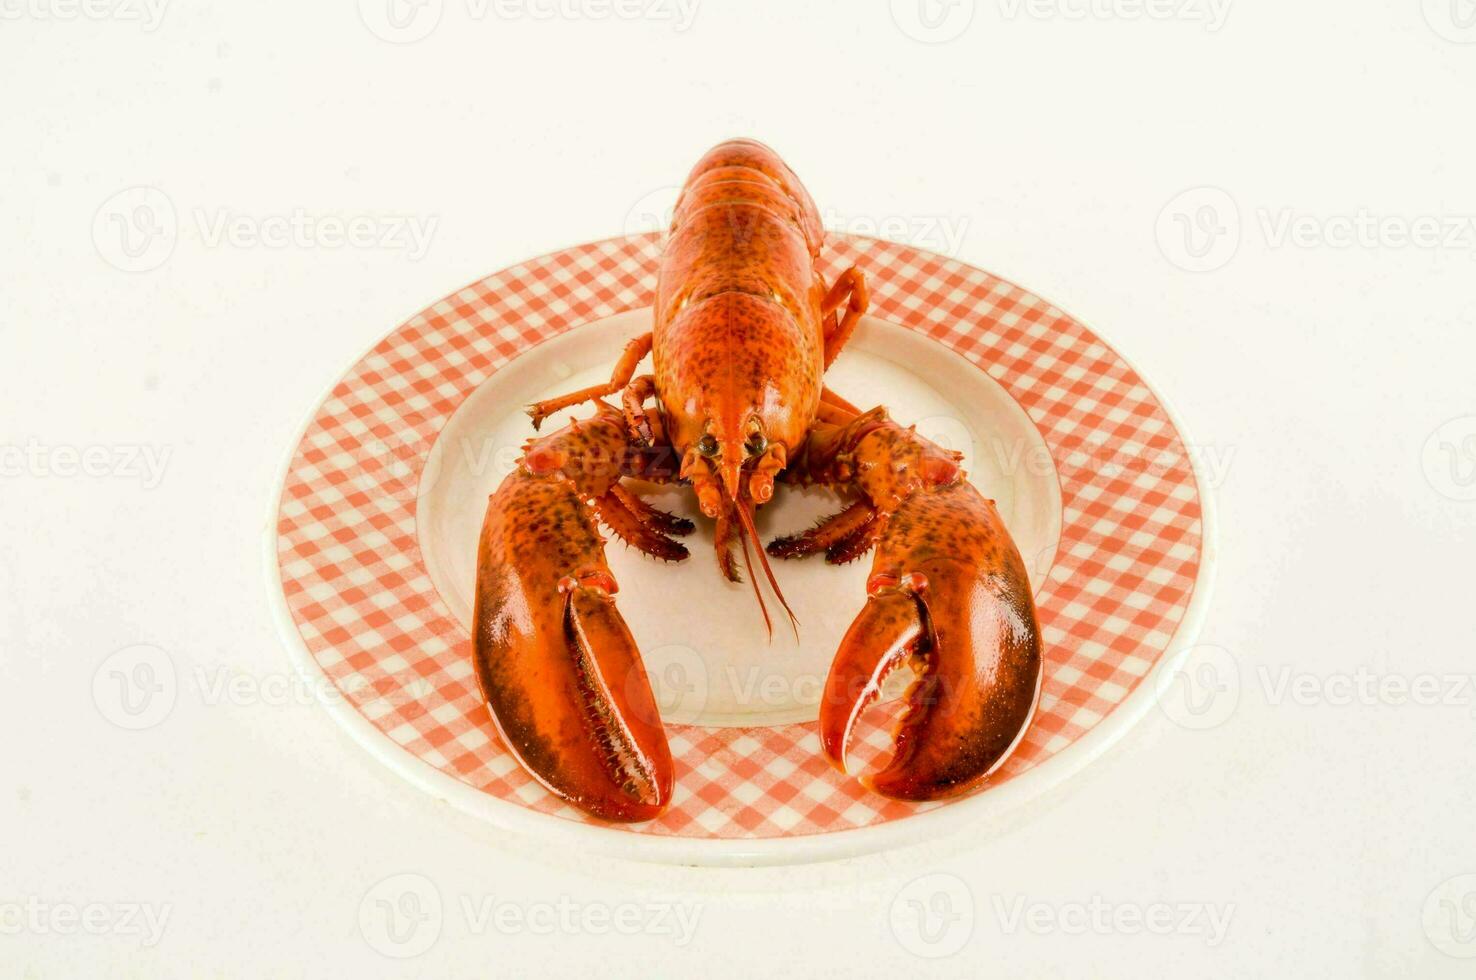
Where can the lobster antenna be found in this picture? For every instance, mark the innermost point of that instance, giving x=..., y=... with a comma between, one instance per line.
x=753, y=579
x=745, y=514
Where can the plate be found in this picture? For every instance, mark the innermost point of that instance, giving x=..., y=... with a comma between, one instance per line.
x=372, y=549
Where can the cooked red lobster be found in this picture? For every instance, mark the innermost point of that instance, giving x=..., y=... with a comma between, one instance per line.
x=744, y=329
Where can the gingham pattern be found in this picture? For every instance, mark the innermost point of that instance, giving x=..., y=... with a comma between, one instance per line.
x=356, y=585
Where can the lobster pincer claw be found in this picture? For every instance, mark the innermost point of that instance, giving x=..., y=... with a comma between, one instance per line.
x=948, y=596
x=556, y=663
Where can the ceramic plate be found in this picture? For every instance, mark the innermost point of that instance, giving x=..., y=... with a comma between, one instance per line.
x=373, y=543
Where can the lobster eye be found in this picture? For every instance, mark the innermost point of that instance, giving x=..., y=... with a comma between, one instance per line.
x=707, y=445
x=756, y=443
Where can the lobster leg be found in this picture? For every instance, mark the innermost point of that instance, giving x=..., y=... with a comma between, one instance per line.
x=723, y=544
x=851, y=285
x=658, y=520
x=857, y=543
x=625, y=368
x=556, y=664
x=618, y=517
x=829, y=533
x=830, y=398
x=948, y=596
x=644, y=425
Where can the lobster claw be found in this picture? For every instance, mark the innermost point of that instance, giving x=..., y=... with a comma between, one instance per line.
x=948, y=596
x=556, y=663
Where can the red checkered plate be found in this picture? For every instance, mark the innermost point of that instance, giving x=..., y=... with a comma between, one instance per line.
x=373, y=545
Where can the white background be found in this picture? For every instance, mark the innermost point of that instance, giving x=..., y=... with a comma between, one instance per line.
x=1055, y=139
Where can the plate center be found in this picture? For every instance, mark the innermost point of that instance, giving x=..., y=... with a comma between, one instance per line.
x=706, y=651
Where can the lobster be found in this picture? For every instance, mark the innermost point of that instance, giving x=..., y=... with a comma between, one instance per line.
x=744, y=330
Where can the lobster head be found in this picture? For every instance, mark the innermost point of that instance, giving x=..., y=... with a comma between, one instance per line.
x=737, y=401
